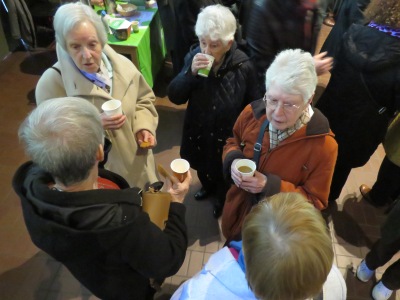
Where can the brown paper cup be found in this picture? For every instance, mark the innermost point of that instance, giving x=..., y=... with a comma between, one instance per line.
x=157, y=206
x=180, y=168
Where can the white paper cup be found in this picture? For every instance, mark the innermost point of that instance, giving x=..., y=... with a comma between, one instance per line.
x=204, y=72
x=112, y=107
x=180, y=168
x=135, y=26
x=246, y=167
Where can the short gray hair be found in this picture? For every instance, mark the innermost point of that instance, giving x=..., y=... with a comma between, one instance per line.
x=293, y=70
x=69, y=15
x=62, y=136
x=216, y=22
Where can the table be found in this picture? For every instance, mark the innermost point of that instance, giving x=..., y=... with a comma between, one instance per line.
x=145, y=48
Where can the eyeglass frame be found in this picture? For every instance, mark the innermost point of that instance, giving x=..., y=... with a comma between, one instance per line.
x=286, y=107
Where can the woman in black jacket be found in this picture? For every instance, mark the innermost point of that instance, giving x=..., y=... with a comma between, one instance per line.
x=214, y=102
x=364, y=90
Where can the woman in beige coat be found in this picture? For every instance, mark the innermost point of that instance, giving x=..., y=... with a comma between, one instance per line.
x=88, y=68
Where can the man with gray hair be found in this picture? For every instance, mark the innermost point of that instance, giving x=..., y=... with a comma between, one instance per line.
x=88, y=218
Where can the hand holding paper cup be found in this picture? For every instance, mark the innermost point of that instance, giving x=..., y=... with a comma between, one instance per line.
x=204, y=72
x=112, y=107
x=246, y=167
x=180, y=168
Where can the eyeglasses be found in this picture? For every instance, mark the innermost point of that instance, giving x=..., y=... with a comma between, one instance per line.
x=274, y=103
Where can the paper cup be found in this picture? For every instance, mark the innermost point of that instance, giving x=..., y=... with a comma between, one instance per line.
x=180, y=168
x=135, y=26
x=150, y=4
x=112, y=107
x=246, y=167
x=204, y=72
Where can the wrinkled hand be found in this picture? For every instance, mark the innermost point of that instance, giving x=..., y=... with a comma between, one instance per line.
x=145, y=136
x=200, y=61
x=179, y=190
x=112, y=122
x=252, y=184
x=322, y=63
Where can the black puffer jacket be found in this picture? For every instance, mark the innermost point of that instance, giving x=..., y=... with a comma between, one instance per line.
x=214, y=104
x=351, y=108
x=102, y=236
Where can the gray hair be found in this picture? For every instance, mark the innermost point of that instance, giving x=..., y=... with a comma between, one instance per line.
x=293, y=70
x=216, y=22
x=69, y=15
x=287, y=248
x=62, y=136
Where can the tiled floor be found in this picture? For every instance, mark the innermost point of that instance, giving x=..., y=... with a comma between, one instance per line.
x=28, y=273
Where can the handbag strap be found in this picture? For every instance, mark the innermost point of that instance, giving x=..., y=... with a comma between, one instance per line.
x=381, y=109
x=258, y=145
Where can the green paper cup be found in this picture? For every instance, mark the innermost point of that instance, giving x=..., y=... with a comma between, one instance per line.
x=204, y=72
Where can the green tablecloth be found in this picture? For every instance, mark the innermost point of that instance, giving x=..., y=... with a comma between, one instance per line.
x=149, y=42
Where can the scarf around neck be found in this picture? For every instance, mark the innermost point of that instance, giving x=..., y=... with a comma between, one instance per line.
x=277, y=136
x=103, y=78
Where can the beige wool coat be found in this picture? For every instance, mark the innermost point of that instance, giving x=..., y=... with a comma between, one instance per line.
x=126, y=158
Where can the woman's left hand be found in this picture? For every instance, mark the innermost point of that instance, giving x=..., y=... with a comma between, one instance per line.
x=146, y=139
x=254, y=184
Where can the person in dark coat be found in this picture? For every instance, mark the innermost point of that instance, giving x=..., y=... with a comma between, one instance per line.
x=364, y=90
x=275, y=25
x=346, y=13
x=214, y=102
x=88, y=218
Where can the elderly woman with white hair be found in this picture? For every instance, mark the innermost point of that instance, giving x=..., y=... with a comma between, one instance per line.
x=214, y=102
x=291, y=143
x=88, y=68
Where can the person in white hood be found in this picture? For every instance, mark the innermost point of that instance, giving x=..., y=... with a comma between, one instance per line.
x=286, y=253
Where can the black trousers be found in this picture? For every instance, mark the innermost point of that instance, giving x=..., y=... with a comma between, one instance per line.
x=340, y=174
x=216, y=185
x=381, y=252
x=387, y=185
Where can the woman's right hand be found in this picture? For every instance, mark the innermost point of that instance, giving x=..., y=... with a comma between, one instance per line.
x=112, y=122
x=179, y=190
x=200, y=61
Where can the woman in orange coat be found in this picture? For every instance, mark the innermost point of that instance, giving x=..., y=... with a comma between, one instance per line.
x=298, y=149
